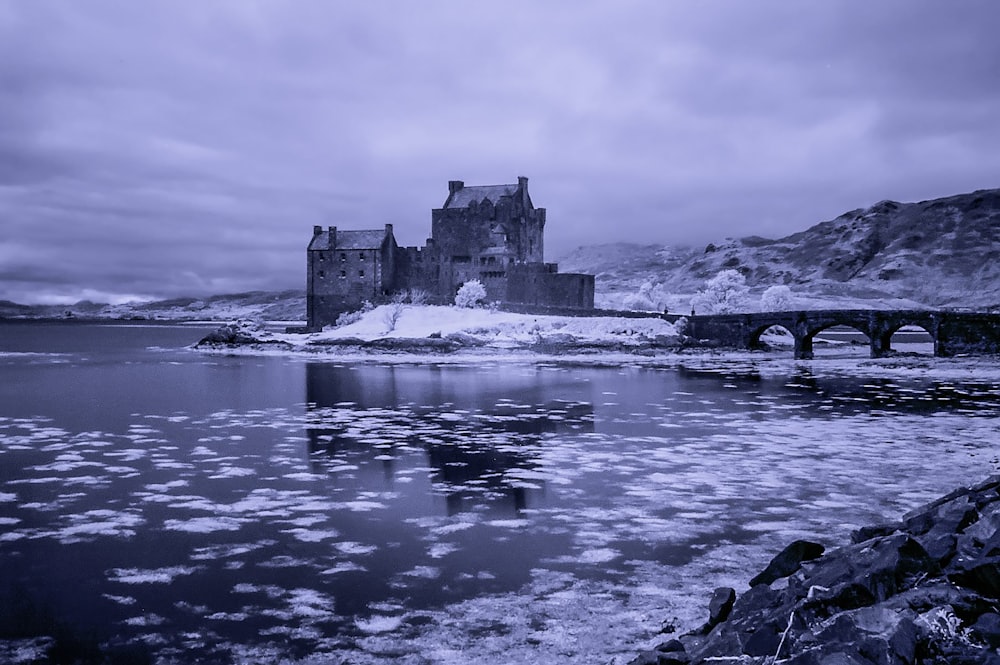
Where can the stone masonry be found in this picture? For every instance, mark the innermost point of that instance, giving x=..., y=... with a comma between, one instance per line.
x=492, y=233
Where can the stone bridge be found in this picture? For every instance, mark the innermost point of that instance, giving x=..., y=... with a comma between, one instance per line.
x=954, y=333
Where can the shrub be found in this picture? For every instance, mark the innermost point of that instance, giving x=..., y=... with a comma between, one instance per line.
x=470, y=294
x=347, y=318
x=723, y=294
x=777, y=298
x=417, y=296
x=391, y=315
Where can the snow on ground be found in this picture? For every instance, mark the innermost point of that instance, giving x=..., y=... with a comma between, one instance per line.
x=482, y=326
x=423, y=321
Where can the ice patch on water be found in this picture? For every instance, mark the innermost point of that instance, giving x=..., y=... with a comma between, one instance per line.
x=599, y=555
x=310, y=604
x=303, y=476
x=204, y=524
x=313, y=536
x=99, y=523
x=350, y=547
x=439, y=550
x=121, y=600
x=228, y=616
x=344, y=567
x=146, y=620
x=152, y=576
x=508, y=524
x=232, y=472
x=362, y=506
x=423, y=572
x=379, y=624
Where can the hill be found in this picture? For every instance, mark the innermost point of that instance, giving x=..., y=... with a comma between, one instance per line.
x=262, y=305
x=938, y=253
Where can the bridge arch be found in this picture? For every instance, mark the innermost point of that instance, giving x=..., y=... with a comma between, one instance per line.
x=810, y=332
x=754, y=338
x=891, y=325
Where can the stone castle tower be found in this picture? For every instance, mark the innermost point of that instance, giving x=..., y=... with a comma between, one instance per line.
x=492, y=233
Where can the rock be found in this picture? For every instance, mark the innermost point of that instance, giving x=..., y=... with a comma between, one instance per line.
x=875, y=531
x=788, y=561
x=987, y=629
x=946, y=522
x=671, y=646
x=870, y=572
x=720, y=605
x=924, y=590
x=982, y=576
x=903, y=640
x=673, y=653
x=764, y=640
x=646, y=658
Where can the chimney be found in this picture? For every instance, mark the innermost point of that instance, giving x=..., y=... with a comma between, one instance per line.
x=317, y=230
x=522, y=182
x=455, y=185
x=388, y=230
x=333, y=237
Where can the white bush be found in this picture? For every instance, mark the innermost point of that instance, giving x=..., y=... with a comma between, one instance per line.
x=347, y=318
x=470, y=294
x=391, y=314
x=650, y=298
x=723, y=294
x=417, y=296
x=777, y=298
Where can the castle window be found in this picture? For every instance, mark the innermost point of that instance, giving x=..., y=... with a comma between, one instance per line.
x=361, y=273
x=461, y=259
x=343, y=256
x=343, y=273
x=361, y=255
x=322, y=273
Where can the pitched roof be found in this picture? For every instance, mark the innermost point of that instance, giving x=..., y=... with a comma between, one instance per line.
x=463, y=197
x=370, y=239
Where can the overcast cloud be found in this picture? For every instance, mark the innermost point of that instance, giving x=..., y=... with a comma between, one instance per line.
x=151, y=149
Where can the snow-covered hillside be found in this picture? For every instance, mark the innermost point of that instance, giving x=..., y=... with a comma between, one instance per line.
x=258, y=305
x=940, y=253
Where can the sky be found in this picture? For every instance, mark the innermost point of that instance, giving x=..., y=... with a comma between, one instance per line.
x=160, y=148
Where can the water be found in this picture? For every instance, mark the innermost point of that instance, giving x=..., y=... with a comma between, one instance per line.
x=266, y=509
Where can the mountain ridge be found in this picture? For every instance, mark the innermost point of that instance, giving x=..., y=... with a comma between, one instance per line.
x=935, y=253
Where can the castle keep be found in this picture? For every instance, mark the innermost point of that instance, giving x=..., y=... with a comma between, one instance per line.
x=492, y=233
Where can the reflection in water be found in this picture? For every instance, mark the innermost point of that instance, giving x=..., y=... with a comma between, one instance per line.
x=497, y=512
x=474, y=436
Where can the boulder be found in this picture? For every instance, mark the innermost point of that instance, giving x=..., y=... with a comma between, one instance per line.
x=987, y=629
x=788, y=561
x=720, y=605
x=981, y=576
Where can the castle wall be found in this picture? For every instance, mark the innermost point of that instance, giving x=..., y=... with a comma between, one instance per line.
x=542, y=285
x=340, y=279
x=493, y=234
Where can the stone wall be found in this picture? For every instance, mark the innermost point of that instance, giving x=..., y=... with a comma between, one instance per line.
x=541, y=284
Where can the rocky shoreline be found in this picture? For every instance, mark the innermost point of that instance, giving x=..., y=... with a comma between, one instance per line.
x=923, y=590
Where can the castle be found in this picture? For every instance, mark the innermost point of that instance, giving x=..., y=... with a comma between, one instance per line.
x=492, y=233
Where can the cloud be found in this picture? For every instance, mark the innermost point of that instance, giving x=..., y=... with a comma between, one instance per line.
x=168, y=148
